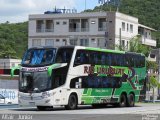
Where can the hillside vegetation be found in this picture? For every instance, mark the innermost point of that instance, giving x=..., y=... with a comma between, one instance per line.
x=13, y=39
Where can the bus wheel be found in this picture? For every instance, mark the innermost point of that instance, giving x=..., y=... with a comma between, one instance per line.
x=72, y=102
x=123, y=101
x=131, y=101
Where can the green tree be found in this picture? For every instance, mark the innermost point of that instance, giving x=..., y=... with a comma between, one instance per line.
x=13, y=39
x=153, y=84
x=137, y=46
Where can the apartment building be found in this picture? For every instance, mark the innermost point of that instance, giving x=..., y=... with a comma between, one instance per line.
x=95, y=29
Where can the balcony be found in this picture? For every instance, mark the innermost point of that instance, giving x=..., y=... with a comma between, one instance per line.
x=40, y=30
x=102, y=29
x=148, y=41
x=49, y=30
x=84, y=29
x=74, y=29
x=44, y=30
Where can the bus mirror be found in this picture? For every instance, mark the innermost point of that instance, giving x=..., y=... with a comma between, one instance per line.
x=79, y=83
x=13, y=70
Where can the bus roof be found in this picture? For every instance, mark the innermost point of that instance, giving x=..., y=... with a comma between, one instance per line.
x=108, y=50
x=90, y=48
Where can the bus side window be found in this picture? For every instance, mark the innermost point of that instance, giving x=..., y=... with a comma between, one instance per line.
x=82, y=57
x=103, y=59
x=120, y=59
x=113, y=59
x=142, y=61
x=137, y=62
x=131, y=60
x=117, y=60
x=95, y=58
x=108, y=59
x=59, y=58
x=127, y=61
x=91, y=60
x=77, y=60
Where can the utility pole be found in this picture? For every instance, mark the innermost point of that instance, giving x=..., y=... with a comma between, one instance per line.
x=120, y=36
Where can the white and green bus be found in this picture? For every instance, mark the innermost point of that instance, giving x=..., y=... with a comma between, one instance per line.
x=74, y=75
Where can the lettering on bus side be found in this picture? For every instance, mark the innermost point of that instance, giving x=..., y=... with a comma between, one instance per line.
x=102, y=70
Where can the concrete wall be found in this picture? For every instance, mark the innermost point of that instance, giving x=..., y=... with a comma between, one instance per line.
x=9, y=89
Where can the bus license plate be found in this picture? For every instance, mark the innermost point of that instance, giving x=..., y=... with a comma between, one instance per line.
x=32, y=103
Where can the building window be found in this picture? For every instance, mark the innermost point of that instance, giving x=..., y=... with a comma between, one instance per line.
x=49, y=26
x=49, y=42
x=84, y=42
x=64, y=22
x=127, y=27
x=40, y=26
x=57, y=23
x=102, y=24
x=123, y=43
x=101, y=42
x=74, y=25
x=73, y=41
x=65, y=41
x=131, y=28
x=146, y=35
x=84, y=25
x=57, y=40
x=123, y=26
x=36, y=42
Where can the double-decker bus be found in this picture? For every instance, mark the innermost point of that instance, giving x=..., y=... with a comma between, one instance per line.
x=74, y=75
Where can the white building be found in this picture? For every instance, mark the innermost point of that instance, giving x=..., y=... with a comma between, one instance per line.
x=9, y=63
x=96, y=29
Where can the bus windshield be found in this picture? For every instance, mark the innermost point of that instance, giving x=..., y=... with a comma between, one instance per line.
x=39, y=57
x=34, y=81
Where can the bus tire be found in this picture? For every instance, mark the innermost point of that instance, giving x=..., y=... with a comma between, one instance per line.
x=131, y=100
x=72, y=102
x=123, y=101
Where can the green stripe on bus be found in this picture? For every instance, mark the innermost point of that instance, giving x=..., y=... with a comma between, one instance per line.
x=105, y=50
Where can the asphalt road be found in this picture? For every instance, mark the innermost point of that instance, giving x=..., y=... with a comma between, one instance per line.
x=145, y=111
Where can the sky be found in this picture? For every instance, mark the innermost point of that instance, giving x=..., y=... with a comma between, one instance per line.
x=16, y=11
